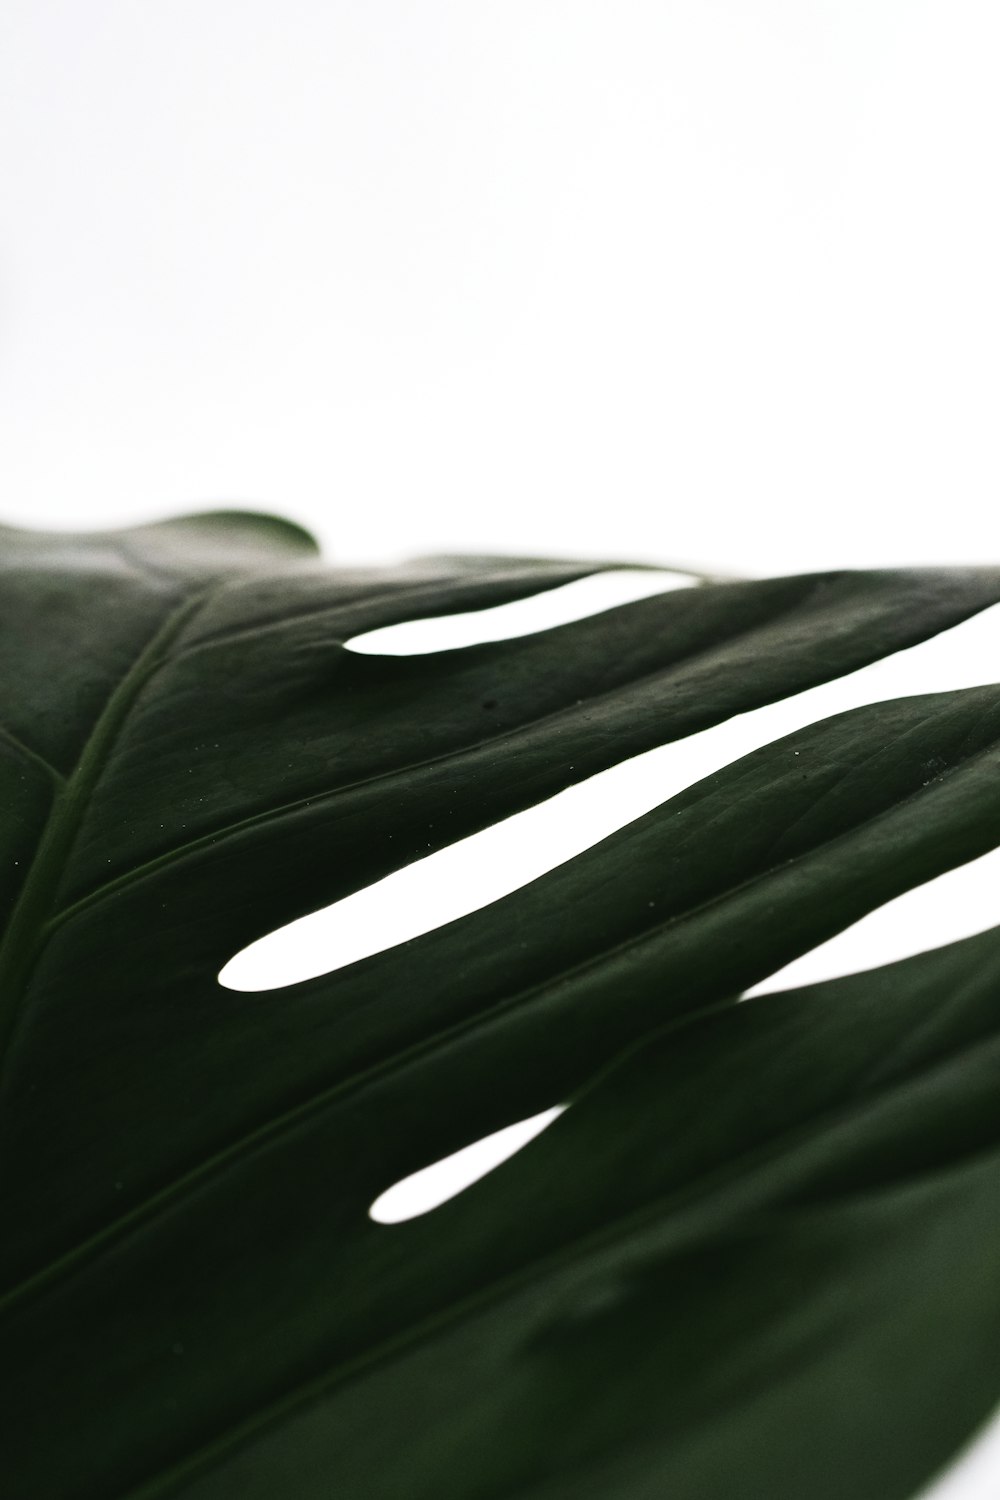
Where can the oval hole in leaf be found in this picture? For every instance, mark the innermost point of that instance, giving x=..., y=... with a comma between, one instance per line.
x=464, y=877
x=452, y=882
x=955, y=905
x=444, y=1179
x=504, y=622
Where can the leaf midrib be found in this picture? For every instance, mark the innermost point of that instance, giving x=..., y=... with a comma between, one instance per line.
x=25, y=933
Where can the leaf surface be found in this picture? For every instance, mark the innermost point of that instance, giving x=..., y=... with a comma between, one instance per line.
x=763, y=1238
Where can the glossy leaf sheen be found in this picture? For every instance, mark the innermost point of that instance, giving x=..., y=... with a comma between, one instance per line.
x=763, y=1241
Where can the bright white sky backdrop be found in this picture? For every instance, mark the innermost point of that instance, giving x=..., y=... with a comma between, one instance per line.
x=684, y=278
x=687, y=281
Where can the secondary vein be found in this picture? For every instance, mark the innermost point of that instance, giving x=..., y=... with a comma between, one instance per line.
x=31, y=755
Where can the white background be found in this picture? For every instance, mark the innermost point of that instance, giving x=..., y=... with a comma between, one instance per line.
x=679, y=280
x=689, y=282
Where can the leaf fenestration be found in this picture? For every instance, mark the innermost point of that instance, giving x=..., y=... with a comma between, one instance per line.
x=763, y=1239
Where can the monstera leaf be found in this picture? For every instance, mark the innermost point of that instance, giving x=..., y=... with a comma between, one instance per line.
x=755, y=1259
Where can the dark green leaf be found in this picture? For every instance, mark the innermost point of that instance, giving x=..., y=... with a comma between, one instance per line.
x=749, y=1258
